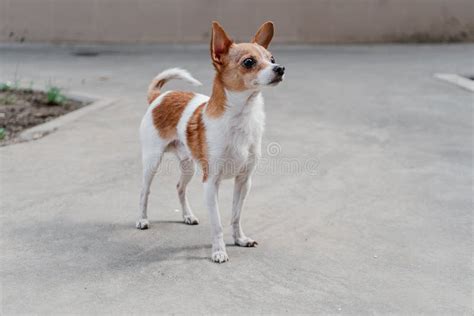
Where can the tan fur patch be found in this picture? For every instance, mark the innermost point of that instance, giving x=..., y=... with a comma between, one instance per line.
x=196, y=139
x=217, y=103
x=167, y=114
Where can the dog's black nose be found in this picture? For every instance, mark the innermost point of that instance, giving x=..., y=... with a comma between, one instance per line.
x=279, y=70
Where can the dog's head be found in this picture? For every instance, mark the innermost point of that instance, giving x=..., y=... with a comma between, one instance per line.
x=245, y=66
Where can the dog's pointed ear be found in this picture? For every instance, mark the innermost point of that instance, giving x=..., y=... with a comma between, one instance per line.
x=264, y=34
x=220, y=43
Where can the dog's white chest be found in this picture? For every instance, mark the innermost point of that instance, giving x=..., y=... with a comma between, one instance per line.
x=238, y=149
x=243, y=138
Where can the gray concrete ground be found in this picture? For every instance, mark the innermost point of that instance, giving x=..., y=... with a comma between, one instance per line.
x=381, y=224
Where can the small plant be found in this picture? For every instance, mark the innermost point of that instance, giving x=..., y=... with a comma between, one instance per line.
x=5, y=86
x=54, y=96
x=2, y=133
x=10, y=86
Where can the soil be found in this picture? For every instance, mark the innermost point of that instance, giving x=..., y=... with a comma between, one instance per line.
x=22, y=109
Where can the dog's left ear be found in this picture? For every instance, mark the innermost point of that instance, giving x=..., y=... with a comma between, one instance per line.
x=264, y=34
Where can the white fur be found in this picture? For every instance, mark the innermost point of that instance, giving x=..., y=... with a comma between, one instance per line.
x=234, y=142
x=177, y=73
x=266, y=75
x=235, y=135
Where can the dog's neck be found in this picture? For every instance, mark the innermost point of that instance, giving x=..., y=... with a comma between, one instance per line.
x=239, y=99
x=223, y=99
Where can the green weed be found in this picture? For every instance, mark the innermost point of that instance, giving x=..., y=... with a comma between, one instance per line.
x=55, y=96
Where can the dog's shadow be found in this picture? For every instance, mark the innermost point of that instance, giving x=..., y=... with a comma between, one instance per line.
x=167, y=234
x=110, y=245
x=167, y=222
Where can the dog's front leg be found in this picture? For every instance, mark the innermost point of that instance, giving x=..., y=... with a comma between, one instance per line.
x=241, y=189
x=219, y=253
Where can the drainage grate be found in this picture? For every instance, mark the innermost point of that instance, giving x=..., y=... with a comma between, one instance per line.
x=466, y=82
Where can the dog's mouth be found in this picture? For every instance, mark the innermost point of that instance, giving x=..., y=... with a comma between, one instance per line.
x=276, y=81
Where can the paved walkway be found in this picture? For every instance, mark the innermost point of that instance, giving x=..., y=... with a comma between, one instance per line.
x=363, y=205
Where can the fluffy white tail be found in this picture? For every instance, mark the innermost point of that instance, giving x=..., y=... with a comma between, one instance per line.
x=169, y=74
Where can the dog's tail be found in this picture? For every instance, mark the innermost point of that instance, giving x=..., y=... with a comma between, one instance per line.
x=169, y=74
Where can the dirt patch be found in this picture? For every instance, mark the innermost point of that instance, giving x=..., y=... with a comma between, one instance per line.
x=22, y=109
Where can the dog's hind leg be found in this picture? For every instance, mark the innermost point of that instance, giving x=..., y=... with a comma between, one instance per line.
x=187, y=168
x=151, y=161
x=153, y=148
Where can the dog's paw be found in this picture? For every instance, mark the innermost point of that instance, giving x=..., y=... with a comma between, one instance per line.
x=142, y=223
x=190, y=220
x=245, y=242
x=220, y=256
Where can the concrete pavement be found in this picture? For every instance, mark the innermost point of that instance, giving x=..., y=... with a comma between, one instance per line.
x=379, y=221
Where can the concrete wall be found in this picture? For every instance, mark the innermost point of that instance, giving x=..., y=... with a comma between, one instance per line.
x=177, y=21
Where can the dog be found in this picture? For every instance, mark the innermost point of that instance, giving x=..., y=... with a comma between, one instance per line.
x=222, y=134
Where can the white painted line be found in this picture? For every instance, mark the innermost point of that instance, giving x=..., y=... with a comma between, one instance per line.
x=457, y=80
x=44, y=129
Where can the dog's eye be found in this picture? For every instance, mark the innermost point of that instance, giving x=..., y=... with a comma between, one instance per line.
x=272, y=59
x=249, y=63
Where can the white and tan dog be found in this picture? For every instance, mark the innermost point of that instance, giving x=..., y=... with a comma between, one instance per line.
x=222, y=134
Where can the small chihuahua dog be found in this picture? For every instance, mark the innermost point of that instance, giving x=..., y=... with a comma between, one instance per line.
x=221, y=134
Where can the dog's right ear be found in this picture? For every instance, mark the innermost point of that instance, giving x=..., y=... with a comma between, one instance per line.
x=220, y=43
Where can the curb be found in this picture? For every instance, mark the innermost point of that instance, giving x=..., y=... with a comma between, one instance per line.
x=44, y=129
x=457, y=80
